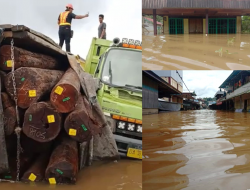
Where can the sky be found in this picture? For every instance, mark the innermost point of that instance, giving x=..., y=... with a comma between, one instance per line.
x=204, y=83
x=123, y=19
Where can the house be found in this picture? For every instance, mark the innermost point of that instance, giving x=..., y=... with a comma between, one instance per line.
x=198, y=16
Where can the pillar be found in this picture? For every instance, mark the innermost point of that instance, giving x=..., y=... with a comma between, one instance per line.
x=186, y=26
x=207, y=23
x=238, y=22
x=165, y=25
x=204, y=26
x=154, y=22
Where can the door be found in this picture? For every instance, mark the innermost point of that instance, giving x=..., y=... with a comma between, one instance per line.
x=195, y=26
x=176, y=26
x=245, y=105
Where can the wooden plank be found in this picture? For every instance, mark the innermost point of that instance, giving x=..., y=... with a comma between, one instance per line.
x=34, y=43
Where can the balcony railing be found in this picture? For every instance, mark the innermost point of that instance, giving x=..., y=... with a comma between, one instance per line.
x=239, y=91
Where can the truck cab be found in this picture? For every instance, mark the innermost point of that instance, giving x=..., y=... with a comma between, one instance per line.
x=117, y=67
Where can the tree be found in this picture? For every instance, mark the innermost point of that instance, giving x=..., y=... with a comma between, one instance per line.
x=246, y=24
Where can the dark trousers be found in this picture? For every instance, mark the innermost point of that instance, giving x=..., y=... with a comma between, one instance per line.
x=65, y=35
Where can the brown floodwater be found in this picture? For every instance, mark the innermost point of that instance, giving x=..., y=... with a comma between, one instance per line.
x=196, y=150
x=121, y=175
x=196, y=51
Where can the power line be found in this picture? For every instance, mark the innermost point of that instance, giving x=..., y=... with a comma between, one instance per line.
x=182, y=80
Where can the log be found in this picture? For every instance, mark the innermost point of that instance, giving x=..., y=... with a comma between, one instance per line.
x=25, y=162
x=65, y=94
x=42, y=122
x=9, y=113
x=32, y=84
x=4, y=165
x=36, y=172
x=84, y=154
x=7, y=101
x=79, y=124
x=63, y=164
x=10, y=121
x=24, y=58
x=30, y=146
x=2, y=75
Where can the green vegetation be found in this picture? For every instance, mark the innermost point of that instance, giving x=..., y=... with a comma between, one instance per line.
x=246, y=24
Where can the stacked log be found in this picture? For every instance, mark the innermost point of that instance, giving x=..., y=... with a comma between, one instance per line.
x=32, y=84
x=53, y=114
x=65, y=94
x=63, y=164
x=79, y=124
x=42, y=122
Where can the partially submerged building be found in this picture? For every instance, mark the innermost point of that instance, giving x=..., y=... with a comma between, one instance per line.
x=237, y=87
x=160, y=93
x=198, y=16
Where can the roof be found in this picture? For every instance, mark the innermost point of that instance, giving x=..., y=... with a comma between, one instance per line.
x=163, y=86
x=235, y=76
x=219, y=4
x=151, y=20
x=219, y=93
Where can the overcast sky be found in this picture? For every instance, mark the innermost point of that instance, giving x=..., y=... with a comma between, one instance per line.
x=123, y=19
x=204, y=83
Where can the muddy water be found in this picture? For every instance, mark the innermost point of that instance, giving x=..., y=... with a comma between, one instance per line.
x=123, y=175
x=197, y=51
x=196, y=150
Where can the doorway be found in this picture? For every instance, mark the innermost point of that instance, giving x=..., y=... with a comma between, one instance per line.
x=245, y=105
x=176, y=26
x=196, y=26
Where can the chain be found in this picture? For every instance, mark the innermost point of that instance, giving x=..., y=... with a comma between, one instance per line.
x=18, y=129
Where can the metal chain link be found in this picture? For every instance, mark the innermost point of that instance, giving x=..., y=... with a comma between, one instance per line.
x=18, y=128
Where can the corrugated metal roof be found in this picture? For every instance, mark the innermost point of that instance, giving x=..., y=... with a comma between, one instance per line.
x=151, y=20
x=222, y=4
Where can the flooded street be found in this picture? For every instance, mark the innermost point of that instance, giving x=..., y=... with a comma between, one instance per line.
x=194, y=150
x=197, y=51
x=123, y=175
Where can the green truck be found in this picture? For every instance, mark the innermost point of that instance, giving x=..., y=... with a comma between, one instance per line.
x=117, y=68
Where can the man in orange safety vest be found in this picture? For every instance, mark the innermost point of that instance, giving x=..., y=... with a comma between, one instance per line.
x=64, y=22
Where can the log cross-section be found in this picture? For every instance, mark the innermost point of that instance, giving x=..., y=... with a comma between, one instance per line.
x=42, y=122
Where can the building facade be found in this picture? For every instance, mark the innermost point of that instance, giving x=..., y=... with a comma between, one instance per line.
x=198, y=16
x=237, y=87
x=174, y=78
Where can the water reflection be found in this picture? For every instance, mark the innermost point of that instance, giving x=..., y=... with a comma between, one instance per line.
x=201, y=149
x=121, y=175
x=170, y=52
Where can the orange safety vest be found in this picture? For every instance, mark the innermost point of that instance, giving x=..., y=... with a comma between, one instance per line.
x=63, y=17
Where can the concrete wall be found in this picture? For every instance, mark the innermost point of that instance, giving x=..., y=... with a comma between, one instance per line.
x=186, y=26
x=238, y=22
x=165, y=25
x=170, y=73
